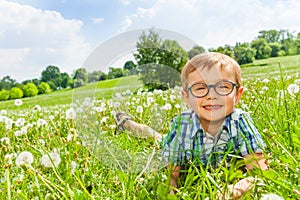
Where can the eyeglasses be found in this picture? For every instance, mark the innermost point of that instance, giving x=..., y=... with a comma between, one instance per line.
x=223, y=88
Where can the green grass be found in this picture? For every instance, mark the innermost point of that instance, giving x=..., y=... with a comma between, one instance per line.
x=103, y=89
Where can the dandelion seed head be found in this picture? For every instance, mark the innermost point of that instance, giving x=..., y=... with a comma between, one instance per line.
x=271, y=196
x=139, y=109
x=3, y=112
x=46, y=159
x=18, y=102
x=37, y=108
x=70, y=114
x=5, y=140
x=24, y=158
x=293, y=89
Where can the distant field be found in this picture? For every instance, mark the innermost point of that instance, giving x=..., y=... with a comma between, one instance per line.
x=105, y=89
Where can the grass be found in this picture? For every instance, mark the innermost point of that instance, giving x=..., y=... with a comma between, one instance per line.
x=97, y=163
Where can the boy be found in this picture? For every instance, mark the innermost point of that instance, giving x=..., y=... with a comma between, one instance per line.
x=212, y=87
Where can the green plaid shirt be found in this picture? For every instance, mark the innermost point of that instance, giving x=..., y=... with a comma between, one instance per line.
x=187, y=141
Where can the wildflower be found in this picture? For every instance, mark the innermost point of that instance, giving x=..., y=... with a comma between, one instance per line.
x=24, y=158
x=41, y=122
x=20, y=122
x=18, y=102
x=18, y=133
x=73, y=166
x=70, y=113
x=297, y=81
x=46, y=159
x=5, y=140
x=116, y=104
x=265, y=80
x=139, y=109
x=167, y=106
x=271, y=197
x=293, y=89
x=103, y=120
x=3, y=112
x=37, y=108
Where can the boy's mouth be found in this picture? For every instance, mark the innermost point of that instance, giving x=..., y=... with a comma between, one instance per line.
x=212, y=107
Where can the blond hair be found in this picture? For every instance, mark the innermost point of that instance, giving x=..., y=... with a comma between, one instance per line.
x=208, y=61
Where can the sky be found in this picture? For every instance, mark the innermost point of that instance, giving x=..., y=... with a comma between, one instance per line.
x=71, y=34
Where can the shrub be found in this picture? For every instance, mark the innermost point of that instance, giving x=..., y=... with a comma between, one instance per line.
x=16, y=93
x=44, y=88
x=30, y=90
x=4, y=95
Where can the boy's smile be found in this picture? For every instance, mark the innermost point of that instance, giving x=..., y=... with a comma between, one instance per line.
x=212, y=108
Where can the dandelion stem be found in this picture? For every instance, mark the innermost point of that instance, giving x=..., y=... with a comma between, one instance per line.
x=8, y=184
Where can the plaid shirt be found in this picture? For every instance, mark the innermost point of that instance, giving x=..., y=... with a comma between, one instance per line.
x=187, y=141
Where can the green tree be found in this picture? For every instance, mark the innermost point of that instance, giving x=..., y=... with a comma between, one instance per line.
x=115, y=73
x=7, y=83
x=82, y=75
x=4, y=95
x=16, y=93
x=263, y=49
x=52, y=73
x=44, y=88
x=227, y=50
x=130, y=67
x=30, y=90
x=159, y=61
x=66, y=80
x=195, y=51
x=243, y=53
x=276, y=49
x=96, y=76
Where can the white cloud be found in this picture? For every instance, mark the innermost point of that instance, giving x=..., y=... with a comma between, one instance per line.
x=32, y=39
x=216, y=23
x=97, y=20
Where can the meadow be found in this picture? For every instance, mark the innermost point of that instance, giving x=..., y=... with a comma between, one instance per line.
x=65, y=145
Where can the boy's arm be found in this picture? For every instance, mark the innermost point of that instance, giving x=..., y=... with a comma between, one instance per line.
x=175, y=173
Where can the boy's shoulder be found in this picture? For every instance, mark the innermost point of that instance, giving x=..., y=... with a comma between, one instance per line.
x=184, y=116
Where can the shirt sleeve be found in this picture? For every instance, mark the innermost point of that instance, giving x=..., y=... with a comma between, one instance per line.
x=249, y=139
x=172, y=152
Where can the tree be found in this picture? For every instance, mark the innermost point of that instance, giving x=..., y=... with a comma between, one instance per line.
x=243, y=53
x=276, y=49
x=96, y=76
x=30, y=90
x=16, y=93
x=130, y=67
x=66, y=80
x=263, y=49
x=52, y=73
x=159, y=61
x=7, y=83
x=195, y=51
x=227, y=50
x=44, y=88
x=4, y=95
x=81, y=74
x=115, y=73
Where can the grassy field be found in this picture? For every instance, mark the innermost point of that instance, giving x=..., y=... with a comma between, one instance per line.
x=60, y=152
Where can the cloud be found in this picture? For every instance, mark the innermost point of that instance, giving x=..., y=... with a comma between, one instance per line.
x=32, y=39
x=97, y=20
x=216, y=23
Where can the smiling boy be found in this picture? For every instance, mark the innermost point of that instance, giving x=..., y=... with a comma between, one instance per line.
x=212, y=130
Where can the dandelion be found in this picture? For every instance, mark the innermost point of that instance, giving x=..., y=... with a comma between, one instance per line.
x=297, y=81
x=18, y=133
x=24, y=158
x=37, y=108
x=103, y=120
x=3, y=112
x=5, y=140
x=167, y=106
x=139, y=109
x=70, y=113
x=271, y=197
x=265, y=80
x=41, y=122
x=20, y=122
x=73, y=166
x=46, y=159
x=293, y=89
x=18, y=102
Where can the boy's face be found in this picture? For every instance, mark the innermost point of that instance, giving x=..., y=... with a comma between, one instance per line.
x=212, y=107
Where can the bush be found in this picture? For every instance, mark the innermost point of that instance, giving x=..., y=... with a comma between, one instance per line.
x=44, y=88
x=4, y=95
x=30, y=90
x=16, y=93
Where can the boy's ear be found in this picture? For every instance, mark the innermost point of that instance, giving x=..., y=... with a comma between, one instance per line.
x=185, y=97
x=239, y=95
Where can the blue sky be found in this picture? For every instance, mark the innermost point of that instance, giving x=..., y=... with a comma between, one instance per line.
x=65, y=33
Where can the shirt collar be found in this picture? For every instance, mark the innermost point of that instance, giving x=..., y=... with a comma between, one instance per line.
x=196, y=126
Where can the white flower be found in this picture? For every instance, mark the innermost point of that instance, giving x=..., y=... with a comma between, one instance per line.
x=297, y=81
x=271, y=197
x=46, y=159
x=167, y=106
x=37, y=108
x=18, y=133
x=41, y=122
x=3, y=112
x=139, y=109
x=5, y=140
x=70, y=113
x=69, y=137
x=103, y=120
x=24, y=158
x=18, y=102
x=20, y=122
x=293, y=89
x=73, y=166
x=266, y=80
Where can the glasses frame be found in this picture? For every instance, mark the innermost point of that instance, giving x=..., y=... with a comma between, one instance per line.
x=213, y=86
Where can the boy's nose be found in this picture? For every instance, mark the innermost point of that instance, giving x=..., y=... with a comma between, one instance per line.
x=211, y=93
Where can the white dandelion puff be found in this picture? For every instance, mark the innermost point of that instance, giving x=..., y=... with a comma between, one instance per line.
x=139, y=109
x=70, y=113
x=271, y=197
x=24, y=158
x=293, y=89
x=46, y=159
x=18, y=102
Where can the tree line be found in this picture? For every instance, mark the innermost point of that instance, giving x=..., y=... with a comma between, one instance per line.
x=157, y=61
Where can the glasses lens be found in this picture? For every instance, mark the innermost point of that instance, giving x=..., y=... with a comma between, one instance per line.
x=224, y=87
x=199, y=89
